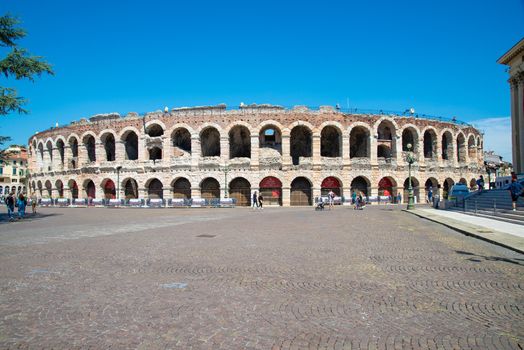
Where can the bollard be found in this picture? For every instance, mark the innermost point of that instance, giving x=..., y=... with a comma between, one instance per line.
x=494, y=207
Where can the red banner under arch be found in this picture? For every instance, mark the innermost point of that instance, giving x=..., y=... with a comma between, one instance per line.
x=270, y=182
x=330, y=182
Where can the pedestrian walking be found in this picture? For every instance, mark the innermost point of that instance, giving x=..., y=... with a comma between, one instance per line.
x=254, y=203
x=399, y=198
x=260, y=201
x=21, y=203
x=480, y=183
x=516, y=191
x=430, y=196
x=10, y=203
x=353, y=197
x=33, y=202
x=331, y=196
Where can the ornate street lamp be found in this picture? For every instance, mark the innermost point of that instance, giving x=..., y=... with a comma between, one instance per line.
x=410, y=158
x=226, y=170
x=118, y=168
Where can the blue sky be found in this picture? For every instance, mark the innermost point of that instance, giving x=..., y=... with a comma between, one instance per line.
x=121, y=56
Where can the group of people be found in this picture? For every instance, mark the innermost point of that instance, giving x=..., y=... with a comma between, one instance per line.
x=13, y=201
x=257, y=201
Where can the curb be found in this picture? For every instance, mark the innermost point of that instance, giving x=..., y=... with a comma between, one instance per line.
x=465, y=232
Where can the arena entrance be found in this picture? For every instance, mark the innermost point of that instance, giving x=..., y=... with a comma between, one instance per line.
x=130, y=189
x=360, y=185
x=210, y=189
x=416, y=190
x=182, y=188
x=447, y=187
x=301, y=192
x=386, y=187
x=271, y=190
x=240, y=190
x=155, y=190
x=73, y=187
x=109, y=189
x=90, y=189
x=331, y=184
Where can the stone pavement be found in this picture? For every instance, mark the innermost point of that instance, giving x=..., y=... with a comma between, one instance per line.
x=281, y=278
x=495, y=231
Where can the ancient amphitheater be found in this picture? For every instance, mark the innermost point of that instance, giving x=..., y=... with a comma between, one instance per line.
x=290, y=155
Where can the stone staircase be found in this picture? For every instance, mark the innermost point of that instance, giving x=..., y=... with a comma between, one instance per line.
x=493, y=204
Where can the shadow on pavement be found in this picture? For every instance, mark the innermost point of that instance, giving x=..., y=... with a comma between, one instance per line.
x=479, y=258
x=4, y=219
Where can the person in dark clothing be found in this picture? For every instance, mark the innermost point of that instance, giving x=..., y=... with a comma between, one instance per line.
x=480, y=183
x=254, y=203
x=516, y=190
x=260, y=201
x=10, y=203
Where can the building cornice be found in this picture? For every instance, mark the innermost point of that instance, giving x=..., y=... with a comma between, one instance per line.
x=512, y=53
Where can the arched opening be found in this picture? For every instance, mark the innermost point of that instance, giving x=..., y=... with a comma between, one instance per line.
x=155, y=153
x=154, y=130
x=155, y=189
x=410, y=137
x=331, y=184
x=360, y=184
x=182, y=188
x=447, y=187
x=430, y=144
x=210, y=142
x=210, y=189
x=472, y=148
x=130, y=140
x=359, y=142
x=59, y=188
x=109, y=146
x=270, y=137
x=271, y=189
x=130, y=189
x=416, y=190
x=89, y=143
x=73, y=188
x=48, y=187
x=473, y=185
x=39, y=185
x=387, y=187
x=463, y=181
x=301, y=192
x=61, y=148
x=1, y=190
x=330, y=142
x=301, y=141
x=385, y=136
x=90, y=189
x=49, y=147
x=447, y=146
x=73, y=144
x=239, y=142
x=240, y=189
x=181, y=139
x=461, y=148
x=383, y=151
x=109, y=189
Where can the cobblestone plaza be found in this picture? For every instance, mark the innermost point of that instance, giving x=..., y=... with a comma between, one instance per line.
x=281, y=278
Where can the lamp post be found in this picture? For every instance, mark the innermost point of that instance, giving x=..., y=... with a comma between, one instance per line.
x=226, y=170
x=118, y=168
x=410, y=158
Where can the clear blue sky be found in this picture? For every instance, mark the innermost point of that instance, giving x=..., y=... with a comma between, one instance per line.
x=120, y=56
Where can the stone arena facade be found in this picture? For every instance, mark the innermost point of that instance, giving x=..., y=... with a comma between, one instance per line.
x=290, y=155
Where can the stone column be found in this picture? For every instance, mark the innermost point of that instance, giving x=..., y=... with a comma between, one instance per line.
x=520, y=102
x=346, y=161
x=373, y=149
x=316, y=191
x=286, y=196
x=100, y=152
x=167, y=150
x=143, y=154
x=397, y=140
x=254, y=152
x=515, y=140
x=120, y=151
x=224, y=149
x=286, y=153
x=143, y=193
x=196, y=151
x=315, y=149
x=195, y=192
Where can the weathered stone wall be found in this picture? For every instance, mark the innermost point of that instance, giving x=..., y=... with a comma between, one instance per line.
x=47, y=165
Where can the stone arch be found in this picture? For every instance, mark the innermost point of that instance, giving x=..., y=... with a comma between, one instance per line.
x=448, y=182
x=210, y=188
x=461, y=148
x=383, y=151
x=130, y=139
x=41, y=152
x=360, y=141
x=410, y=135
x=181, y=141
x=155, y=188
x=239, y=142
x=89, y=142
x=415, y=184
x=210, y=142
x=430, y=143
x=386, y=131
x=473, y=184
x=108, y=188
x=89, y=188
x=130, y=187
x=108, y=140
x=360, y=184
x=331, y=141
x=49, y=149
x=155, y=153
x=59, y=185
x=73, y=188
x=447, y=145
x=472, y=147
x=181, y=188
x=431, y=183
x=60, y=146
x=154, y=128
x=240, y=189
x=390, y=122
x=271, y=189
x=331, y=183
x=301, y=142
x=270, y=136
x=301, y=193
x=387, y=186
x=39, y=185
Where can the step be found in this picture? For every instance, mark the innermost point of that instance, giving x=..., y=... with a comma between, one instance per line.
x=486, y=215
